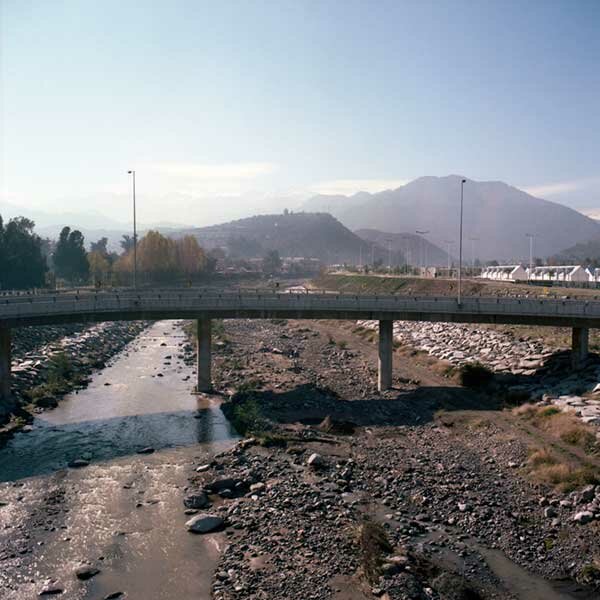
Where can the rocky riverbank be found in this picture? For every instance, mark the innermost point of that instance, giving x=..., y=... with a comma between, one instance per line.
x=48, y=364
x=539, y=372
x=426, y=491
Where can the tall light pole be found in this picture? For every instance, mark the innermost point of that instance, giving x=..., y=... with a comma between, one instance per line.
x=132, y=173
x=462, y=187
x=422, y=233
x=389, y=245
x=530, y=236
x=448, y=244
x=473, y=240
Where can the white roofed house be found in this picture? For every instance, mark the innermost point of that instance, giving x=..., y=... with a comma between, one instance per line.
x=505, y=273
x=570, y=273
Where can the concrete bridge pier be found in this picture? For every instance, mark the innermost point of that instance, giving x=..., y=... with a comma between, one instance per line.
x=203, y=355
x=6, y=399
x=579, y=346
x=386, y=334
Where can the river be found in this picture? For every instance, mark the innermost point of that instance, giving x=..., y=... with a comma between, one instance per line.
x=122, y=514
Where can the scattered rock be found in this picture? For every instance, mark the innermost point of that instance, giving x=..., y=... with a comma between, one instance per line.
x=204, y=523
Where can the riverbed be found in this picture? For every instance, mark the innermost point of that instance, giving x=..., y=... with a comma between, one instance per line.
x=122, y=514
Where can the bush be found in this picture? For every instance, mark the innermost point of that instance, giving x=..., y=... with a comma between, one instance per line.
x=474, y=375
x=247, y=417
x=373, y=543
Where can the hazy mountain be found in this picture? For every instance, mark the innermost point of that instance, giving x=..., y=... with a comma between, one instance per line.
x=583, y=253
x=92, y=225
x=418, y=250
x=312, y=235
x=498, y=214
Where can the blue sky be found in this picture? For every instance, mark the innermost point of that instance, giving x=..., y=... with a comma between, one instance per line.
x=224, y=108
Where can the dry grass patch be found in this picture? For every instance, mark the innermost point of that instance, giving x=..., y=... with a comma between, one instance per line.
x=560, y=425
x=546, y=467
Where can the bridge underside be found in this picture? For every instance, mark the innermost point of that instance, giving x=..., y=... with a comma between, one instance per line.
x=204, y=381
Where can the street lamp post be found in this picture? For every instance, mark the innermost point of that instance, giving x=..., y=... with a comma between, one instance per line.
x=462, y=187
x=530, y=236
x=132, y=173
x=473, y=240
x=448, y=244
x=423, y=248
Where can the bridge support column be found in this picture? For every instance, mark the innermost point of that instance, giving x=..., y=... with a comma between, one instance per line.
x=386, y=334
x=203, y=358
x=579, y=346
x=6, y=400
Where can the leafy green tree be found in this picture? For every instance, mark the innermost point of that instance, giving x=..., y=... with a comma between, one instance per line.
x=272, y=262
x=22, y=263
x=70, y=257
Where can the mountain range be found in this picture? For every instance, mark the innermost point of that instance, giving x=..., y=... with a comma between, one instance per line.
x=496, y=218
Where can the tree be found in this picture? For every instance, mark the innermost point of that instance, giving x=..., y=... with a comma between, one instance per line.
x=99, y=266
x=271, y=262
x=100, y=246
x=70, y=257
x=126, y=243
x=22, y=262
x=190, y=257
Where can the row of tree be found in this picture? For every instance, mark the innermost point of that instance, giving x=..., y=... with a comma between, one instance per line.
x=28, y=261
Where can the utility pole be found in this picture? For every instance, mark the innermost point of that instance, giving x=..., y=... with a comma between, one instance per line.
x=462, y=187
x=360, y=257
x=134, y=234
x=372, y=254
x=389, y=244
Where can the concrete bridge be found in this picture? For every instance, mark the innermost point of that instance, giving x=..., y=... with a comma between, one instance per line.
x=203, y=305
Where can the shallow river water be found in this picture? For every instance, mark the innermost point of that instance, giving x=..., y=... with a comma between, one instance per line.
x=124, y=513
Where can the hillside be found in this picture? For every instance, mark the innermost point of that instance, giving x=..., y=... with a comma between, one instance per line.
x=497, y=214
x=312, y=235
x=418, y=250
x=587, y=253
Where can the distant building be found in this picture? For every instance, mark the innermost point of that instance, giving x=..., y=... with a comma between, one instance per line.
x=505, y=273
x=575, y=273
x=300, y=265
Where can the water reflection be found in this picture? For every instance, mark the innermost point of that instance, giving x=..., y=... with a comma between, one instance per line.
x=127, y=407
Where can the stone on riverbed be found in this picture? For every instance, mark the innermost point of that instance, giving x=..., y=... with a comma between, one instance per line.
x=148, y=450
x=204, y=523
x=199, y=500
x=78, y=463
x=86, y=572
x=583, y=517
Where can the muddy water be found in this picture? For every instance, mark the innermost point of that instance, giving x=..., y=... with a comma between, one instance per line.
x=122, y=514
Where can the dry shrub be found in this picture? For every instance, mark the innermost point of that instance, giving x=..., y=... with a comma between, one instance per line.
x=373, y=543
x=541, y=457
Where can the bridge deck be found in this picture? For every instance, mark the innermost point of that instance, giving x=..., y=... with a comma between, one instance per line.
x=46, y=309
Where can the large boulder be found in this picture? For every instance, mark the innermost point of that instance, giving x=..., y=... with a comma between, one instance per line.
x=204, y=523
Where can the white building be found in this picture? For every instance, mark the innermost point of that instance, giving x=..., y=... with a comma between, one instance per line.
x=505, y=273
x=574, y=273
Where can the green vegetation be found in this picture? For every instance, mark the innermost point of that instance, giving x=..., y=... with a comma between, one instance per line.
x=22, y=260
x=61, y=377
x=360, y=284
x=475, y=375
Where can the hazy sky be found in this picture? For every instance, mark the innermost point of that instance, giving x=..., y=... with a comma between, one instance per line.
x=224, y=106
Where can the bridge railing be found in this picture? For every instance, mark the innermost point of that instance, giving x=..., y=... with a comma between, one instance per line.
x=224, y=301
